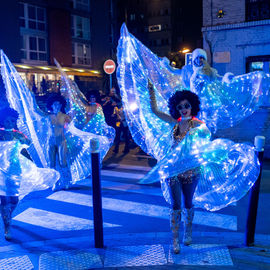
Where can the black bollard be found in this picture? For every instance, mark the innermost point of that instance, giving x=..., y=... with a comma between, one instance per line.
x=97, y=201
x=254, y=195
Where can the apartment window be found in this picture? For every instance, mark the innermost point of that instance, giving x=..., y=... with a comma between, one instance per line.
x=154, y=28
x=32, y=17
x=81, y=4
x=81, y=54
x=257, y=10
x=132, y=17
x=258, y=63
x=80, y=27
x=34, y=48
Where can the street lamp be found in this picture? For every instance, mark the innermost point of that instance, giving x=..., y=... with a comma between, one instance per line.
x=184, y=50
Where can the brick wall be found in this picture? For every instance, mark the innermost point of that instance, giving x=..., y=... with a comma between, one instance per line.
x=234, y=11
x=256, y=124
x=60, y=36
x=241, y=40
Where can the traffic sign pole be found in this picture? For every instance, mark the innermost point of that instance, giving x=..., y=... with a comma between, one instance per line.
x=109, y=68
x=110, y=81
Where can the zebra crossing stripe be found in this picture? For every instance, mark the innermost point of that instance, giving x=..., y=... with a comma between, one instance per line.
x=56, y=221
x=120, y=186
x=118, y=174
x=129, y=167
x=216, y=220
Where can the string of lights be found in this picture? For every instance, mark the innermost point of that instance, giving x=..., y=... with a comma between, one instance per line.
x=227, y=170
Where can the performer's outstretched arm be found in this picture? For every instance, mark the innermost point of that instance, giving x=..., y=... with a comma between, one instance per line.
x=163, y=116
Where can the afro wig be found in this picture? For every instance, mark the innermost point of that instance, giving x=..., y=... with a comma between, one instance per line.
x=179, y=96
x=55, y=98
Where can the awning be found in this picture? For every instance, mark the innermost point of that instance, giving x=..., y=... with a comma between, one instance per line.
x=54, y=70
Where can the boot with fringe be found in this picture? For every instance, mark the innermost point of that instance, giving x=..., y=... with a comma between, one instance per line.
x=188, y=215
x=175, y=218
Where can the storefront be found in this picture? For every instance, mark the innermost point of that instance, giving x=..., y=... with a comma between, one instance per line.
x=46, y=79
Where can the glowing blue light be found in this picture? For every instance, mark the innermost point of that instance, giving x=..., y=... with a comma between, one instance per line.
x=222, y=179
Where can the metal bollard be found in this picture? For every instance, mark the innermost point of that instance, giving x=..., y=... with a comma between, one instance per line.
x=97, y=201
x=254, y=195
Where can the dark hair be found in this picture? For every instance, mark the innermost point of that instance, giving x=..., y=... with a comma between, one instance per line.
x=91, y=93
x=55, y=98
x=177, y=97
x=7, y=112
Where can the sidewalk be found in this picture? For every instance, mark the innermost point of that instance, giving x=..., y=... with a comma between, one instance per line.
x=139, y=251
x=221, y=249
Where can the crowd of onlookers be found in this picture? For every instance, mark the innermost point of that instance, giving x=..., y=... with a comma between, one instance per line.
x=115, y=117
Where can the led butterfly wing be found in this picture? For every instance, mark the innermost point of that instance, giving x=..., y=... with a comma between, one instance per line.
x=32, y=122
x=226, y=104
x=20, y=176
x=225, y=170
x=148, y=131
x=166, y=79
x=79, y=151
x=78, y=111
x=98, y=126
x=223, y=104
x=76, y=100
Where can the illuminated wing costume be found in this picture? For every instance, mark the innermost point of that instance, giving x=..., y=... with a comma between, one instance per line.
x=37, y=126
x=148, y=131
x=223, y=104
x=227, y=170
x=226, y=104
x=20, y=176
x=78, y=111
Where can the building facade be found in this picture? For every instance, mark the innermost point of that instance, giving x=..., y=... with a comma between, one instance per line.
x=74, y=32
x=164, y=26
x=236, y=36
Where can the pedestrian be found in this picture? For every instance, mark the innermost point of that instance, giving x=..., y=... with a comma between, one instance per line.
x=101, y=97
x=108, y=108
x=44, y=86
x=18, y=175
x=114, y=96
x=121, y=128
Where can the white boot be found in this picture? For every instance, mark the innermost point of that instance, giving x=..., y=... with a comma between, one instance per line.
x=175, y=218
x=65, y=180
x=6, y=211
x=188, y=215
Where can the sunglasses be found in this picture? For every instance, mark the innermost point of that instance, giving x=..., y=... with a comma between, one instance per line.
x=183, y=106
x=197, y=62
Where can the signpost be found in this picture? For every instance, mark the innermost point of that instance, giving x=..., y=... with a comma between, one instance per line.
x=109, y=68
x=188, y=59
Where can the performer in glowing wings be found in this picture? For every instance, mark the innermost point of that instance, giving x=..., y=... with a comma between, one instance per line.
x=88, y=117
x=18, y=175
x=225, y=101
x=211, y=174
x=38, y=127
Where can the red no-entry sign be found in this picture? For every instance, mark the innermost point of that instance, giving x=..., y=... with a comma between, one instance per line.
x=109, y=66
